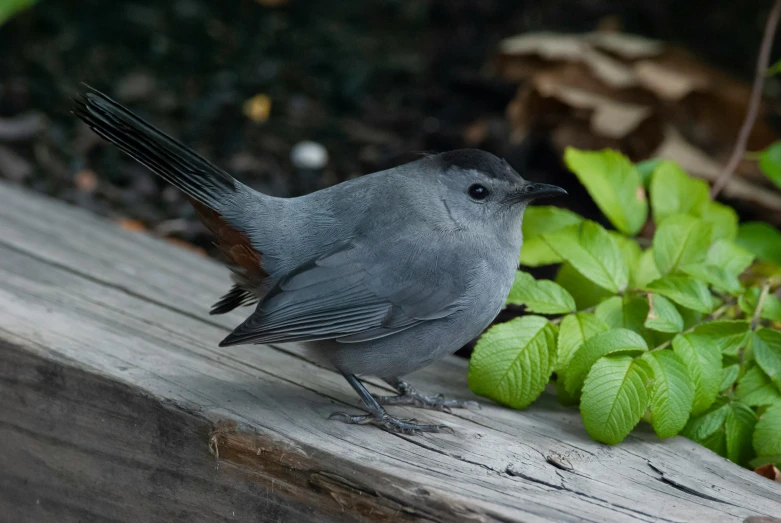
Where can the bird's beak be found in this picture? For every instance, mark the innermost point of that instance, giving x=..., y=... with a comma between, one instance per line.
x=533, y=191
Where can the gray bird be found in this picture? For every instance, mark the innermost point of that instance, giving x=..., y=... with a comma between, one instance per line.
x=379, y=275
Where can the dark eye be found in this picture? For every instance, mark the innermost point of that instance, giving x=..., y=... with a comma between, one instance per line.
x=529, y=188
x=478, y=192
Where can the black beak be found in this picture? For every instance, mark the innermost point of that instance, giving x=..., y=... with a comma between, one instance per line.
x=532, y=191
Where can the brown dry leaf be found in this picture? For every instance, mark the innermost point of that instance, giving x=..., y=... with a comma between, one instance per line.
x=257, y=108
x=131, y=225
x=86, y=180
x=667, y=83
x=185, y=245
x=475, y=133
x=769, y=471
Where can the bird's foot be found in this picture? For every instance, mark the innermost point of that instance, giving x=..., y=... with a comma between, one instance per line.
x=409, y=396
x=394, y=425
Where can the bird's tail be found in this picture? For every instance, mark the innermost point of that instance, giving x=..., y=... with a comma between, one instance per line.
x=173, y=161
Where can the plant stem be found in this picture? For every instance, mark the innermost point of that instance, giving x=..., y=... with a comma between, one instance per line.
x=756, y=97
x=760, y=304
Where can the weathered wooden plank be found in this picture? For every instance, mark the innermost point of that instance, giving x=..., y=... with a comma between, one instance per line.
x=123, y=318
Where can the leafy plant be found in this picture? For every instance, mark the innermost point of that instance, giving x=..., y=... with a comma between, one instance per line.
x=9, y=8
x=673, y=325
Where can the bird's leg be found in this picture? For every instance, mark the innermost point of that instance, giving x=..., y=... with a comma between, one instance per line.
x=377, y=415
x=409, y=396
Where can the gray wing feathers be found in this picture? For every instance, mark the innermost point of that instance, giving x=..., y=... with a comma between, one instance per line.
x=336, y=297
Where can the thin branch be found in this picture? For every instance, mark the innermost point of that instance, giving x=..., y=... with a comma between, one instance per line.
x=756, y=96
x=760, y=304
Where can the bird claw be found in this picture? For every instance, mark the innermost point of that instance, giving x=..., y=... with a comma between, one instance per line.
x=416, y=399
x=389, y=423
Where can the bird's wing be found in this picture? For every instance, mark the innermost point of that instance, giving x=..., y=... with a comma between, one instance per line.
x=351, y=295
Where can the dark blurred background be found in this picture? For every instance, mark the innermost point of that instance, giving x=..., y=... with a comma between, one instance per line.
x=372, y=82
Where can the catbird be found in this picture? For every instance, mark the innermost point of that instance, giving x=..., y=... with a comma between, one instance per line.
x=379, y=275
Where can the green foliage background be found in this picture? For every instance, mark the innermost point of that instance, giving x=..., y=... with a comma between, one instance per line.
x=678, y=330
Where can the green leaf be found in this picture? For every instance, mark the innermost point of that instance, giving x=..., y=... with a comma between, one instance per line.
x=541, y=296
x=690, y=317
x=766, y=434
x=512, y=361
x=727, y=336
x=771, y=309
x=626, y=312
x=593, y=253
x=675, y=192
x=729, y=256
x=614, y=398
x=662, y=315
x=713, y=275
x=703, y=361
x=723, y=220
x=9, y=8
x=680, y=240
x=573, y=331
x=586, y=293
x=646, y=169
x=631, y=252
x=762, y=240
x=703, y=426
x=683, y=290
x=614, y=184
x=672, y=392
x=770, y=163
x=756, y=389
x=539, y=220
x=766, y=346
x=738, y=428
x=616, y=341
x=728, y=376
x=646, y=270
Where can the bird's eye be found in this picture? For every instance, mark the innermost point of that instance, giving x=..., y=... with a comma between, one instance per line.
x=529, y=188
x=478, y=192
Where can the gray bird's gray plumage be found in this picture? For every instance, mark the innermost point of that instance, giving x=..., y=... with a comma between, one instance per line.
x=379, y=275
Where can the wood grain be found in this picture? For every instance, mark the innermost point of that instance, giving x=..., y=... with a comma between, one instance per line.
x=117, y=405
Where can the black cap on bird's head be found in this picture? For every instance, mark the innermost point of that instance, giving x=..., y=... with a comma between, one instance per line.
x=495, y=168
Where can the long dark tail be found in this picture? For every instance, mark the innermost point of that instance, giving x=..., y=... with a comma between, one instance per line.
x=173, y=161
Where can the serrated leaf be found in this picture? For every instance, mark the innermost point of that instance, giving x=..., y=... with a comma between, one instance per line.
x=593, y=253
x=756, y=389
x=614, y=184
x=690, y=317
x=704, y=425
x=729, y=375
x=761, y=239
x=738, y=429
x=716, y=276
x=729, y=256
x=512, y=361
x=671, y=391
x=539, y=220
x=675, y=192
x=573, y=331
x=723, y=220
x=585, y=292
x=770, y=163
x=728, y=336
x=703, y=362
x=614, y=398
x=683, y=290
x=766, y=346
x=646, y=270
x=615, y=341
x=766, y=434
x=541, y=296
x=631, y=252
x=662, y=315
x=626, y=312
x=771, y=309
x=680, y=240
